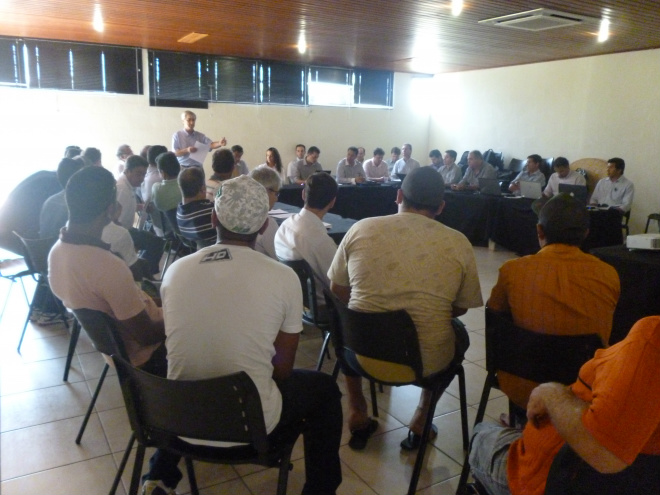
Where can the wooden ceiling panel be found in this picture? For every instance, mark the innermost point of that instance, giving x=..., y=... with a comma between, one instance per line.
x=408, y=36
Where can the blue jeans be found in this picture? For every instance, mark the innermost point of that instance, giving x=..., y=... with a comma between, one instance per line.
x=308, y=397
x=489, y=452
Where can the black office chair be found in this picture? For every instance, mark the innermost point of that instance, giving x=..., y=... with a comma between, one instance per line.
x=176, y=242
x=463, y=162
x=656, y=218
x=546, y=168
x=102, y=330
x=570, y=475
x=36, y=259
x=384, y=348
x=226, y=409
x=624, y=222
x=531, y=355
x=311, y=314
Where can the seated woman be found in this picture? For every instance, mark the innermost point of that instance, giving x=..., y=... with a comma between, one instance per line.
x=223, y=169
x=274, y=162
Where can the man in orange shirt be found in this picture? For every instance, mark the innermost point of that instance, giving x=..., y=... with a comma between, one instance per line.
x=609, y=417
x=560, y=290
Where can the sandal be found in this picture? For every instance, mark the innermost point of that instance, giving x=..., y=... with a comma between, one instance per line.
x=360, y=436
x=412, y=441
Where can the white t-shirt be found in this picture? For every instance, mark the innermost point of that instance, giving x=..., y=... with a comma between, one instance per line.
x=121, y=242
x=572, y=178
x=266, y=242
x=223, y=308
x=408, y=261
x=303, y=236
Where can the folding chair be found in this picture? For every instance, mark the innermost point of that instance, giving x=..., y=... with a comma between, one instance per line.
x=172, y=414
x=102, y=330
x=535, y=356
x=36, y=259
x=384, y=348
x=310, y=314
x=14, y=270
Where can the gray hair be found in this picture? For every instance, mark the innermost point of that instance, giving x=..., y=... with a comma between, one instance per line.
x=267, y=177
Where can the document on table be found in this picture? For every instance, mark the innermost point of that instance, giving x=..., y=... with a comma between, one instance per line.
x=278, y=213
x=200, y=154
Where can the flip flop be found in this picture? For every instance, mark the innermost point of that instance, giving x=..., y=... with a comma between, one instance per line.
x=360, y=436
x=412, y=441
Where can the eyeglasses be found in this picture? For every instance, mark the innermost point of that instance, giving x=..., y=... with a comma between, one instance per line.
x=276, y=193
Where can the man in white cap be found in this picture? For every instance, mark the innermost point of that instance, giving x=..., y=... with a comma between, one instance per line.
x=433, y=276
x=222, y=315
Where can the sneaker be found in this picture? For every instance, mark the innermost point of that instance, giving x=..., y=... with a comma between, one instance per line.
x=156, y=487
x=45, y=319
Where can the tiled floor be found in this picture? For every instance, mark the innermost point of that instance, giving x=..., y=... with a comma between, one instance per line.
x=41, y=415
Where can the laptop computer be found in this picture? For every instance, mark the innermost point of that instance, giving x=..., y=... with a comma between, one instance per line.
x=532, y=190
x=401, y=176
x=490, y=187
x=578, y=192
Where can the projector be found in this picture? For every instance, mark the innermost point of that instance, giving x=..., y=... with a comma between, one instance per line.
x=643, y=241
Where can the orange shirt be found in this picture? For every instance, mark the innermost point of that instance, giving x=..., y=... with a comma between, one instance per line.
x=560, y=291
x=621, y=384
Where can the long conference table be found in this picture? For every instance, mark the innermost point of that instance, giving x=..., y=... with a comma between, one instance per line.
x=509, y=222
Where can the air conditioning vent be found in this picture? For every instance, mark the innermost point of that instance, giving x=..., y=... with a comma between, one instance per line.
x=539, y=20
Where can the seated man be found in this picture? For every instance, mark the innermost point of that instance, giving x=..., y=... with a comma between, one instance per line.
x=150, y=245
x=406, y=164
x=224, y=168
x=375, y=169
x=395, y=154
x=349, y=171
x=451, y=173
x=307, y=166
x=147, y=185
x=530, y=173
x=303, y=236
x=291, y=168
x=223, y=315
x=83, y=272
x=123, y=152
x=615, y=191
x=432, y=275
x=560, y=290
x=166, y=194
x=241, y=166
x=477, y=169
x=193, y=215
x=562, y=175
x=272, y=181
x=608, y=417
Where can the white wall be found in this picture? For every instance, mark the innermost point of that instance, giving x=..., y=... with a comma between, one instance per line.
x=595, y=107
x=37, y=126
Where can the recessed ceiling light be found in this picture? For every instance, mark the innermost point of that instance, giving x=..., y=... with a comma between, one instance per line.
x=302, y=44
x=604, y=31
x=456, y=7
x=192, y=37
x=97, y=21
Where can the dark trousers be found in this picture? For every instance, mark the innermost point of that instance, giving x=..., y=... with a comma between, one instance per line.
x=311, y=401
x=150, y=247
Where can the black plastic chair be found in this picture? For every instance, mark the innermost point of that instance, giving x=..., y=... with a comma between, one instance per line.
x=463, y=162
x=14, y=270
x=225, y=409
x=624, y=222
x=310, y=314
x=546, y=168
x=384, y=348
x=531, y=355
x=570, y=475
x=652, y=216
x=177, y=243
x=36, y=259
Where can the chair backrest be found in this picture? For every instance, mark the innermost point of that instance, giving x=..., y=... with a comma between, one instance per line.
x=464, y=159
x=102, y=329
x=535, y=356
x=546, y=168
x=170, y=218
x=570, y=475
x=308, y=286
x=226, y=408
x=380, y=346
x=652, y=216
x=515, y=165
x=36, y=252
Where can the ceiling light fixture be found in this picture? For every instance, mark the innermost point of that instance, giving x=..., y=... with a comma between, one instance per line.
x=456, y=7
x=192, y=37
x=302, y=44
x=97, y=21
x=604, y=31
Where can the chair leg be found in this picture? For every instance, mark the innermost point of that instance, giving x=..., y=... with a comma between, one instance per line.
x=27, y=320
x=91, y=404
x=419, y=461
x=122, y=465
x=335, y=370
x=324, y=351
x=73, y=341
x=137, y=469
x=374, y=398
x=484, y=398
x=465, y=473
x=283, y=475
x=463, y=399
x=191, y=476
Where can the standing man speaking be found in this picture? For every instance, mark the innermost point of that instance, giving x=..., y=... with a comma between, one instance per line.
x=183, y=141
